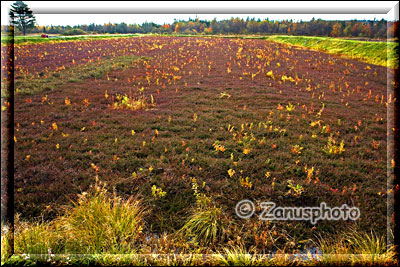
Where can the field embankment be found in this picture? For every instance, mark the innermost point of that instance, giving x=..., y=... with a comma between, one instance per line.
x=378, y=53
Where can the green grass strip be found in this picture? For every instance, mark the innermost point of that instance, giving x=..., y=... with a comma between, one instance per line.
x=50, y=81
x=378, y=53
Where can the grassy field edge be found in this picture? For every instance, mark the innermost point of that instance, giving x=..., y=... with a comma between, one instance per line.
x=66, y=241
x=377, y=53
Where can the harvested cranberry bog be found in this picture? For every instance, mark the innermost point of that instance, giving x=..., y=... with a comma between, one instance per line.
x=186, y=127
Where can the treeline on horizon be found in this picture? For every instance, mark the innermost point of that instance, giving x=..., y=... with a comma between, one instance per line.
x=376, y=29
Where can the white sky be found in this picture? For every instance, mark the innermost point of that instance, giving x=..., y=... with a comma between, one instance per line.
x=208, y=11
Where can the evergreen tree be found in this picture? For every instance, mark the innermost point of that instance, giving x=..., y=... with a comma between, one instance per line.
x=22, y=17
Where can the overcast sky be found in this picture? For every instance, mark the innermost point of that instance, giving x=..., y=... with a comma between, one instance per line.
x=210, y=10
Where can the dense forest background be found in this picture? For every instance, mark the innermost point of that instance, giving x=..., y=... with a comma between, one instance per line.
x=376, y=29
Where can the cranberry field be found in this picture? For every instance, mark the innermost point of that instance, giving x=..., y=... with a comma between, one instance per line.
x=193, y=125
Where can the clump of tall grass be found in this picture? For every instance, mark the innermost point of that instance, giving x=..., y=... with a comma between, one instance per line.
x=239, y=256
x=37, y=238
x=206, y=224
x=356, y=248
x=5, y=243
x=101, y=222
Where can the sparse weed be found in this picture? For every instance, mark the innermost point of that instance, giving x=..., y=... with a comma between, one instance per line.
x=333, y=148
x=295, y=190
x=132, y=103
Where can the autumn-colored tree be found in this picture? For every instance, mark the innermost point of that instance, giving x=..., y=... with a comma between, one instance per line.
x=336, y=30
x=393, y=29
x=315, y=27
